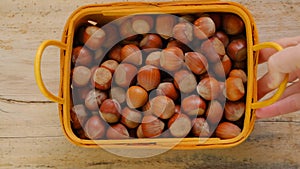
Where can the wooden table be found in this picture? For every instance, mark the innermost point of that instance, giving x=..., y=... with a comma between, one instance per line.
x=30, y=132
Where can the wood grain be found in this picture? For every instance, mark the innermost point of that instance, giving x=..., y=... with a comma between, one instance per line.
x=30, y=131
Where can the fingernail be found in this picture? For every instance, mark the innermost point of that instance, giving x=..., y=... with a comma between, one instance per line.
x=275, y=81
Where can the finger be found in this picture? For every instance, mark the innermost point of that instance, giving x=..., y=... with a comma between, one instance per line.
x=294, y=76
x=264, y=54
x=290, y=90
x=264, y=88
x=284, y=106
x=282, y=63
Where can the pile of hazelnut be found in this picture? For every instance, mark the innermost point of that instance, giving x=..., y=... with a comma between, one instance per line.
x=159, y=75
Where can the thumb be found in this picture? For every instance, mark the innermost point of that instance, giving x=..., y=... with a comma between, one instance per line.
x=282, y=63
x=284, y=42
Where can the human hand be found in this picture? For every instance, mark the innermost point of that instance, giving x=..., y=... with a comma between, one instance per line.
x=281, y=63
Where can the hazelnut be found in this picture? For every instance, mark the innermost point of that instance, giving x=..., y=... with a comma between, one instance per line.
x=135, y=41
x=221, y=98
x=118, y=94
x=162, y=106
x=93, y=69
x=78, y=115
x=151, y=41
x=177, y=43
x=115, y=53
x=204, y=27
x=164, y=25
x=131, y=118
x=193, y=105
x=139, y=132
x=234, y=110
x=214, y=112
x=112, y=33
x=124, y=74
x=111, y=65
x=239, y=73
x=227, y=130
x=223, y=37
x=99, y=55
x=209, y=88
x=200, y=127
x=80, y=93
x=183, y=32
x=222, y=69
x=196, y=62
x=171, y=58
x=153, y=59
x=216, y=17
x=166, y=134
x=167, y=89
x=81, y=56
x=126, y=30
x=234, y=88
x=102, y=78
x=110, y=111
x=185, y=81
x=187, y=18
x=213, y=49
x=237, y=50
x=94, y=99
x=117, y=131
x=136, y=97
x=142, y=24
x=93, y=37
x=148, y=77
x=147, y=109
x=95, y=128
x=179, y=125
x=131, y=54
x=232, y=24
x=81, y=76
x=152, y=126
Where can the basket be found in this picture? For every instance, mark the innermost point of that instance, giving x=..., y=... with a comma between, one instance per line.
x=115, y=10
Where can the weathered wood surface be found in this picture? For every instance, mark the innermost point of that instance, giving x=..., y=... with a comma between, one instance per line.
x=30, y=132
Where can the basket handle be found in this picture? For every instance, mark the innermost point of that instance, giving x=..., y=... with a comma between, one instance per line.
x=281, y=87
x=37, y=69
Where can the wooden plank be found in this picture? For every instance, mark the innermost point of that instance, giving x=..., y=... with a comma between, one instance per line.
x=22, y=120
